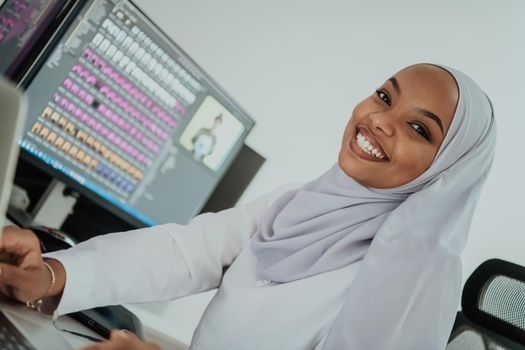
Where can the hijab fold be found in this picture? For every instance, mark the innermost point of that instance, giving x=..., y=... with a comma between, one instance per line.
x=409, y=238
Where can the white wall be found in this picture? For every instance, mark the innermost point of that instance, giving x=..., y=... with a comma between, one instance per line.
x=299, y=66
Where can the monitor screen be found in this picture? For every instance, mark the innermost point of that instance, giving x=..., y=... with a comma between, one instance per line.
x=22, y=26
x=119, y=112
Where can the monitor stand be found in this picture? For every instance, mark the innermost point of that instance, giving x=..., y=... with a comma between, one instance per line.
x=51, y=210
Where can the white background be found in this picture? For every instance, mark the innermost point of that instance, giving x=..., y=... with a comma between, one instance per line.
x=299, y=66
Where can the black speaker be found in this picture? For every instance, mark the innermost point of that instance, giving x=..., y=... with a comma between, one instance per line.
x=235, y=181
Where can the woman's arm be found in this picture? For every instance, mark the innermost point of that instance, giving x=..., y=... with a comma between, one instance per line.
x=158, y=263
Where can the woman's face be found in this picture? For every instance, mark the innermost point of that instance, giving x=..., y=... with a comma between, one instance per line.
x=394, y=135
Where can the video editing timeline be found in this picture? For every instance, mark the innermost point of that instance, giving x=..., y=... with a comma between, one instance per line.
x=107, y=109
x=21, y=23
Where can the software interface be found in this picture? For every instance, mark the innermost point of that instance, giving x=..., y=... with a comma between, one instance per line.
x=22, y=22
x=125, y=113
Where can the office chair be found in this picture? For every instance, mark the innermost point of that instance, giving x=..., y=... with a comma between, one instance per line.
x=493, y=315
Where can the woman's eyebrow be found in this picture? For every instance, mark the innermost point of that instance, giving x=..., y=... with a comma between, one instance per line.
x=432, y=116
x=396, y=85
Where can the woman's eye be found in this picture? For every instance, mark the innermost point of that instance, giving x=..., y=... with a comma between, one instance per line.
x=383, y=96
x=421, y=130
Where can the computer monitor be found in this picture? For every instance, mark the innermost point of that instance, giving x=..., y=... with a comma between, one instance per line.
x=123, y=115
x=26, y=26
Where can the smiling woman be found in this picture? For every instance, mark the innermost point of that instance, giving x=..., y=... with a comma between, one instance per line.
x=398, y=203
x=398, y=130
x=367, y=256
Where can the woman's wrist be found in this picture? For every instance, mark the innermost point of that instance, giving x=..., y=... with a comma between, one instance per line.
x=57, y=278
x=51, y=281
x=57, y=287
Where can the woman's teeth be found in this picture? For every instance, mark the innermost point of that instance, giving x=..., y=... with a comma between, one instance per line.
x=363, y=143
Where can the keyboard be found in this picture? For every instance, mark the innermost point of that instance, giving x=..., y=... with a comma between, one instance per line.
x=10, y=337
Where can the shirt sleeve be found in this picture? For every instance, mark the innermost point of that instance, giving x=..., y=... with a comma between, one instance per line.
x=158, y=263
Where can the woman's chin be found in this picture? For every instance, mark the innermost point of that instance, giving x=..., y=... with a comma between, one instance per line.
x=348, y=164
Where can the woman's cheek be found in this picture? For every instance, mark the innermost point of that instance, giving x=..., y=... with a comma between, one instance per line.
x=414, y=158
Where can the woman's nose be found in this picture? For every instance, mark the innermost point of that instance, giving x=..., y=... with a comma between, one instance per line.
x=382, y=122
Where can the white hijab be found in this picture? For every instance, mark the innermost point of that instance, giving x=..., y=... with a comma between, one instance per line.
x=410, y=238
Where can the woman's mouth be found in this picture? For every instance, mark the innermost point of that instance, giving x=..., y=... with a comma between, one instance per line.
x=365, y=146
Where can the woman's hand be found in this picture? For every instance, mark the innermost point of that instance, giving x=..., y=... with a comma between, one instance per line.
x=123, y=340
x=23, y=275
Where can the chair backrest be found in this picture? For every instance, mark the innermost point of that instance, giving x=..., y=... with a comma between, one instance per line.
x=493, y=304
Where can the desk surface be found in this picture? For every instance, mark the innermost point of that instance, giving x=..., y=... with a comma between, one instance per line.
x=72, y=341
x=44, y=322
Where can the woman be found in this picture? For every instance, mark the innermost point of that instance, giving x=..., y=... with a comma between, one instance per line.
x=367, y=256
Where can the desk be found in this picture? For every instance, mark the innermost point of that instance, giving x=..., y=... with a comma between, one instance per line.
x=73, y=341
x=45, y=323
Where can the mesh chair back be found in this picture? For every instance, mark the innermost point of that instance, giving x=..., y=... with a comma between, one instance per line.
x=493, y=303
x=504, y=298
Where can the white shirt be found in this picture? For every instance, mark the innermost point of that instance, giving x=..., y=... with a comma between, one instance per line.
x=171, y=261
